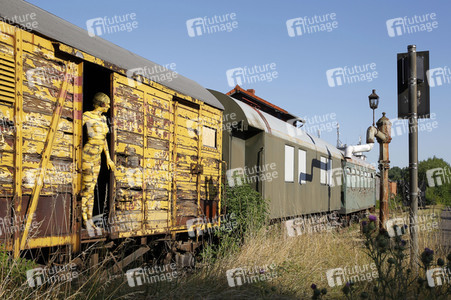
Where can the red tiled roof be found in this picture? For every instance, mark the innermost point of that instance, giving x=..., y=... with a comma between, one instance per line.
x=251, y=93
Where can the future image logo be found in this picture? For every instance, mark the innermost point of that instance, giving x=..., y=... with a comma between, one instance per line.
x=209, y=25
x=242, y=275
x=335, y=277
x=401, y=127
x=253, y=74
x=203, y=225
x=16, y=223
x=135, y=277
x=109, y=25
x=27, y=22
x=311, y=224
x=235, y=177
x=235, y=277
x=196, y=225
x=438, y=76
x=308, y=25
x=153, y=274
x=95, y=26
x=395, y=27
x=438, y=176
x=351, y=74
x=335, y=176
x=437, y=277
x=404, y=225
x=409, y=25
x=47, y=75
x=38, y=276
x=35, y=277
x=156, y=73
x=396, y=227
x=339, y=276
x=240, y=176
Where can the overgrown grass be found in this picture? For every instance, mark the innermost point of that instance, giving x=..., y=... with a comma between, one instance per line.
x=299, y=262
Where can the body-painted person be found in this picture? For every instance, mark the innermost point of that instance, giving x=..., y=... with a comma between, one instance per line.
x=92, y=153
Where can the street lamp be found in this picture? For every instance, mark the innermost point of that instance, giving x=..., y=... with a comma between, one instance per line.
x=374, y=102
x=383, y=135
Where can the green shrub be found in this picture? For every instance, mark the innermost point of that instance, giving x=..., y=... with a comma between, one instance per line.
x=247, y=211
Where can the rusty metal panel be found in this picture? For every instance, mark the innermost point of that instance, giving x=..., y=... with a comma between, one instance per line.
x=43, y=75
x=5, y=214
x=210, y=190
x=7, y=135
x=187, y=135
x=30, y=83
x=177, y=172
x=158, y=177
x=142, y=127
x=128, y=149
x=166, y=136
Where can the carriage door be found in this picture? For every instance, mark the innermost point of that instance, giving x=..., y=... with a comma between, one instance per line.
x=127, y=145
x=142, y=123
x=187, y=167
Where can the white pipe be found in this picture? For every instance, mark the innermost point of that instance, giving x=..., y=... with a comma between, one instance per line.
x=370, y=133
x=357, y=148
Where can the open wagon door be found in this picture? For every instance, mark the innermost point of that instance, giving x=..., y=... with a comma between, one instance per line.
x=142, y=151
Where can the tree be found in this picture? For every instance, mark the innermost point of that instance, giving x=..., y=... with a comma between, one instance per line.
x=439, y=193
x=395, y=174
x=438, y=182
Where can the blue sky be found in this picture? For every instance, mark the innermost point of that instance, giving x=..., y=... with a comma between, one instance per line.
x=360, y=38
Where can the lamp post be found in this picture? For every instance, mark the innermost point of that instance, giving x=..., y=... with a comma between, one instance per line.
x=383, y=135
x=374, y=102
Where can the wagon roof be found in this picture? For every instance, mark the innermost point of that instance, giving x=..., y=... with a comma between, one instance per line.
x=276, y=127
x=67, y=33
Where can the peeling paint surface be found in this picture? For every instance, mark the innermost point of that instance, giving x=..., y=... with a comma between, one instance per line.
x=166, y=147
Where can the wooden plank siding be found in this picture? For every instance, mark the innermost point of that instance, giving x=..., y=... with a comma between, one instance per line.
x=176, y=138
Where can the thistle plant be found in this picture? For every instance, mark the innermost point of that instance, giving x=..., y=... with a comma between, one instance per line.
x=395, y=279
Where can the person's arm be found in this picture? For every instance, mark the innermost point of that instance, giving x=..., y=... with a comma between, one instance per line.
x=109, y=161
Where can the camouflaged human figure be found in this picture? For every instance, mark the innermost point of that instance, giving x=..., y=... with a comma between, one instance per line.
x=92, y=153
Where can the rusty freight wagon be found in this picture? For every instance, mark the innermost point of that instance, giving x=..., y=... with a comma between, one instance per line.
x=164, y=138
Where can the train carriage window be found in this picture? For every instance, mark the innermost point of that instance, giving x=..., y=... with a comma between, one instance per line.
x=329, y=171
x=353, y=180
x=325, y=170
x=359, y=179
x=289, y=163
x=365, y=182
x=356, y=178
x=209, y=137
x=348, y=177
x=362, y=179
x=302, y=166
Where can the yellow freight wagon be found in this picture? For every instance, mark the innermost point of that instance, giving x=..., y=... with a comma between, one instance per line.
x=165, y=137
